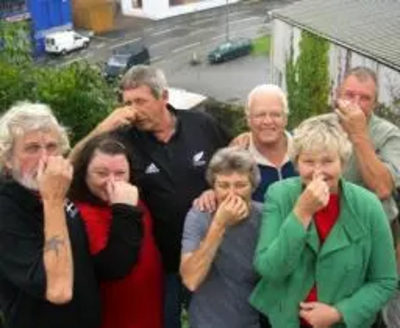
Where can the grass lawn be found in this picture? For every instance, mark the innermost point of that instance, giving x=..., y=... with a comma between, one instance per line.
x=262, y=45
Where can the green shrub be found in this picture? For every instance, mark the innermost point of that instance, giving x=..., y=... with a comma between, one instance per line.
x=262, y=45
x=78, y=94
x=307, y=79
x=229, y=116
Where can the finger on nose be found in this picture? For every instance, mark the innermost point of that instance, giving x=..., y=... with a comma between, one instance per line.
x=317, y=174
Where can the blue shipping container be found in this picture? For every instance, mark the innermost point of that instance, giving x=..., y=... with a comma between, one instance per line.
x=48, y=16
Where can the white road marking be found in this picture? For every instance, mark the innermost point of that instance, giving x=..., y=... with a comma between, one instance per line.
x=154, y=45
x=124, y=43
x=201, y=31
x=164, y=31
x=202, y=21
x=156, y=59
x=234, y=35
x=244, y=20
x=185, y=47
x=105, y=38
x=239, y=13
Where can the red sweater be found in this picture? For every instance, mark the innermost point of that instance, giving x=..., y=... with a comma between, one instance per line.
x=324, y=221
x=134, y=301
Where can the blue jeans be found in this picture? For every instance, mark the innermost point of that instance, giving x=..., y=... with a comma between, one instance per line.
x=176, y=296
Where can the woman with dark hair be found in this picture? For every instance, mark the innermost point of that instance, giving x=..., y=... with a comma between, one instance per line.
x=110, y=207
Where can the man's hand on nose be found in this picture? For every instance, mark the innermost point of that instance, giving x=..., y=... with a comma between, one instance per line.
x=352, y=119
x=54, y=177
x=119, y=117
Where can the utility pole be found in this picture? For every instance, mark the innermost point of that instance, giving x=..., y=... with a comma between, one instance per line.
x=227, y=20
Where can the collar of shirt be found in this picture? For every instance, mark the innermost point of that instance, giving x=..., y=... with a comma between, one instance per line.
x=262, y=160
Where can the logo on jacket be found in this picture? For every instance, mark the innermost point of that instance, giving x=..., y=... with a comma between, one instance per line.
x=198, y=159
x=70, y=209
x=152, y=169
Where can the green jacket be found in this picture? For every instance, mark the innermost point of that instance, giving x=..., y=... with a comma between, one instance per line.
x=354, y=270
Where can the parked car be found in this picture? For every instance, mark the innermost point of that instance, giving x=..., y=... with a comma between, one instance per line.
x=65, y=42
x=124, y=58
x=230, y=49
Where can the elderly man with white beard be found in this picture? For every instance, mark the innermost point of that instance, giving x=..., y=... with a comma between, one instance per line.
x=47, y=277
x=42, y=241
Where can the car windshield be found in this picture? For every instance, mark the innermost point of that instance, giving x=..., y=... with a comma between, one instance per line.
x=118, y=60
x=225, y=46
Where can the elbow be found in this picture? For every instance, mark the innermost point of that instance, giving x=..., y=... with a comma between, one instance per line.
x=383, y=192
x=383, y=188
x=59, y=294
x=267, y=271
x=261, y=266
x=124, y=268
x=191, y=284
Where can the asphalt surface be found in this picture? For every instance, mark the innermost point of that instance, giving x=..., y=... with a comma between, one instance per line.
x=173, y=41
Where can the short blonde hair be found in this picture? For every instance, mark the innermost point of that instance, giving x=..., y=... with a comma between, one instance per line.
x=26, y=117
x=320, y=133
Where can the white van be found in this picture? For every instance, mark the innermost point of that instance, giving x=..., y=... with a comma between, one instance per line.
x=64, y=42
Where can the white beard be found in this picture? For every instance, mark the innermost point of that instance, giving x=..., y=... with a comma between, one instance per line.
x=29, y=181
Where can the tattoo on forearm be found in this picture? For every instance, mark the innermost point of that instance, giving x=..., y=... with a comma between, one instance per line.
x=53, y=244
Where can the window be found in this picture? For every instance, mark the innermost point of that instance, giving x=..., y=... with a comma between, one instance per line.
x=9, y=7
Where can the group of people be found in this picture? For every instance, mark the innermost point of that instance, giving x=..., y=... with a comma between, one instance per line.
x=158, y=209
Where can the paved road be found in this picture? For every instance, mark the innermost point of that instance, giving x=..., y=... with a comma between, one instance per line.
x=172, y=42
x=174, y=38
x=228, y=82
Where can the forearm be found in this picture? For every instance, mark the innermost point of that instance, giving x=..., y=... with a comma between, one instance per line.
x=275, y=260
x=121, y=253
x=57, y=256
x=196, y=268
x=374, y=173
x=73, y=154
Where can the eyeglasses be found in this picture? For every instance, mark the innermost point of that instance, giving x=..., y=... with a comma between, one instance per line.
x=274, y=115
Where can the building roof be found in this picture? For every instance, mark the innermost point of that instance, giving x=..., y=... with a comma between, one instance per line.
x=370, y=27
x=182, y=99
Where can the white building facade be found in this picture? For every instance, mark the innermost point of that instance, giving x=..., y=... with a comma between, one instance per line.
x=160, y=9
x=286, y=36
x=360, y=33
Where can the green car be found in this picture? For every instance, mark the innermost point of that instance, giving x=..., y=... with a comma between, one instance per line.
x=230, y=49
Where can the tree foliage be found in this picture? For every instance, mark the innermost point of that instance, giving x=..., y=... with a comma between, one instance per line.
x=307, y=79
x=78, y=94
x=15, y=43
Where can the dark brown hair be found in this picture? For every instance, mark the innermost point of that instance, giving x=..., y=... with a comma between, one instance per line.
x=106, y=144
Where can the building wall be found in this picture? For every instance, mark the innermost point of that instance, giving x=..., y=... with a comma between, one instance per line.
x=94, y=15
x=48, y=16
x=285, y=36
x=13, y=9
x=159, y=9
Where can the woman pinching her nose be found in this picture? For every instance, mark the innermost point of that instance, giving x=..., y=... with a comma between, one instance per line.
x=325, y=250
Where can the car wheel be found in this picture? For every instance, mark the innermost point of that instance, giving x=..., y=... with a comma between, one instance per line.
x=64, y=52
x=86, y=45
